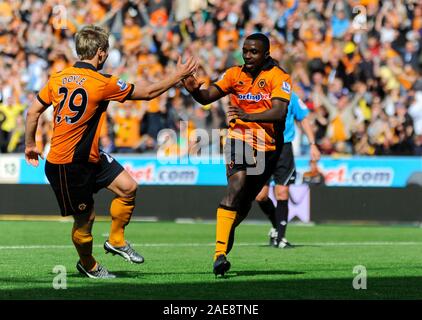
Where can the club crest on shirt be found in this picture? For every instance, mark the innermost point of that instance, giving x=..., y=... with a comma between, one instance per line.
x=261, y=83
x=121, y=84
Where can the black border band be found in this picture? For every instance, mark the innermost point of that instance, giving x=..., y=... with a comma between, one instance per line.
x=219, y=89
x=45, y=104
x=129, y=94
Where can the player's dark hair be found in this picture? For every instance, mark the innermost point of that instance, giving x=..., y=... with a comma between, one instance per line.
x=262, y=38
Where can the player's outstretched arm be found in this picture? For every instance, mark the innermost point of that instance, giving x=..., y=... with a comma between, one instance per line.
x=203, y=96
x=34, y=113
x=275, y=114
x=153, y=90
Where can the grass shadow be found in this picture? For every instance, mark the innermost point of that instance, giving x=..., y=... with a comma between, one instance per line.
x=249, y=273
x=225, y=288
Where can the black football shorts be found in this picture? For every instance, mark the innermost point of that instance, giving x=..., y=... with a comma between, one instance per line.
x=259, y=166
x=75, y=183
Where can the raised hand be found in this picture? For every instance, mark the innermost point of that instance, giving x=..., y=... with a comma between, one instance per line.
x=192, y=84
x=188, y=68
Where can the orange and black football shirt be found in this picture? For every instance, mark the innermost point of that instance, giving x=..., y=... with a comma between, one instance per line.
x=80, y=96
x=254, y=95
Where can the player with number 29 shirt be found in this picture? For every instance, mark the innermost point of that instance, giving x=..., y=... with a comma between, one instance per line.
x=75, y=166
x=81, y=95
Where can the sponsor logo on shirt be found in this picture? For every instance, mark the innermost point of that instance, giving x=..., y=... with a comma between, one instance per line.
x=254, y=97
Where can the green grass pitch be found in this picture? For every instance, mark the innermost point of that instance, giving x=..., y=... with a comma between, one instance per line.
x=178, y=263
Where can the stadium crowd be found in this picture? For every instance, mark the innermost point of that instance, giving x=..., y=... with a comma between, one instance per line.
x=356, y=64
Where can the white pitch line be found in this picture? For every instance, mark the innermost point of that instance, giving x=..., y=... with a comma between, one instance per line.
x=373, y=243
x=246, y=244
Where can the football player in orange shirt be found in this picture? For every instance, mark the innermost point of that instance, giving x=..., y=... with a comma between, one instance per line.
x=75, y=167
x=259, y=94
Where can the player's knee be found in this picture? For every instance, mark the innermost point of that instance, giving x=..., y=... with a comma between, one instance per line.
x=235, y=191
x=232, y=199
x=229, y=202
x=129, y=189
x=132, y=189
x=85, y=220
x=281, y=192
x=81, y=236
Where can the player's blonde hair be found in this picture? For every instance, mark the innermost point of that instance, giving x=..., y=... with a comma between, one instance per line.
x=89, y=40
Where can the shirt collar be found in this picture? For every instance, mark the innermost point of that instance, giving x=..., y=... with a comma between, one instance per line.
x=86, y=65
x=269, y=64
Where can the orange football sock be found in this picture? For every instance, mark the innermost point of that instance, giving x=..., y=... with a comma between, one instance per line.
x=121, y=210
x=82, y=239
x=225, y=220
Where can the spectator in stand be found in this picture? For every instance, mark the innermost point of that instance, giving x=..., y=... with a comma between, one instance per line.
x=12, y=117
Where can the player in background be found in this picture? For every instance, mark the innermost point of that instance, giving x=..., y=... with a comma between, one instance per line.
x=259, y=94
x=285, y=173
x=75, y=167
